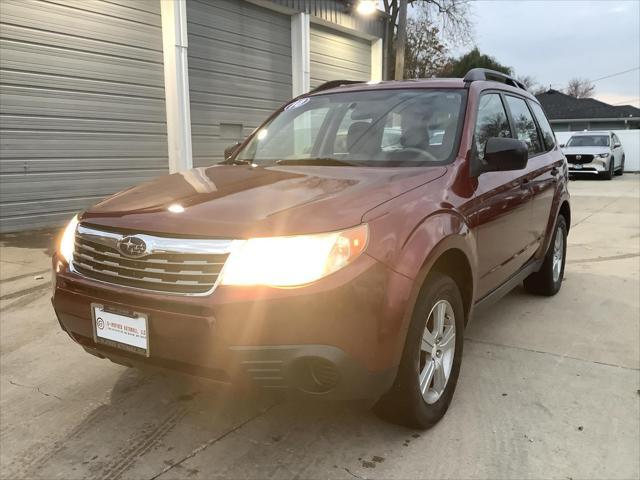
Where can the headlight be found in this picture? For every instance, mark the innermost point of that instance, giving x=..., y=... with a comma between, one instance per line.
x=68, y=240
x=602, y=155
x=295, y=260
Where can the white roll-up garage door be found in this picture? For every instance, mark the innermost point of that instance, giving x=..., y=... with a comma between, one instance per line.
x=338, y=56
x=82, y=111
x=239, y=71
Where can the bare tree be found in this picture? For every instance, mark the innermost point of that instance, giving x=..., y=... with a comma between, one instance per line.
x=580, y=88
x=452, y=17
x=531, y=83
x=425, y=53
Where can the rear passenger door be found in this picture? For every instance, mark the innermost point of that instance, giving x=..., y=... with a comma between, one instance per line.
x=544, y=166
x=504, y=213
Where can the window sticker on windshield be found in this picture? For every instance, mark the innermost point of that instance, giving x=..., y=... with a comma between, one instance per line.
x=297, y=103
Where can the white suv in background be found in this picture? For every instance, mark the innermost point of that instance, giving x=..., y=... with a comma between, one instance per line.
x=598, y=153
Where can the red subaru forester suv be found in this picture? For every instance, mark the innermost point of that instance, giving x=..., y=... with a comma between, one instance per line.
x=340, y=250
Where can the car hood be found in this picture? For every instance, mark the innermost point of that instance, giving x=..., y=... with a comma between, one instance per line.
x=585, y=150
x=244, y=201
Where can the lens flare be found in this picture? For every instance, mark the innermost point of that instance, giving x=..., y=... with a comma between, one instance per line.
x=295, y=260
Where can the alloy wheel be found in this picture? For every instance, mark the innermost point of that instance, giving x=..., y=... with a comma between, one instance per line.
x=437, y=351
x=558, y=254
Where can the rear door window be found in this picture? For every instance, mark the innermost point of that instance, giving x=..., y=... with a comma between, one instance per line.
x=524, y=125
x=491, y=122
x=547, y=133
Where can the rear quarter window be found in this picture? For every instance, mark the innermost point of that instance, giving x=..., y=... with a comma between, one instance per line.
x=547, y=133
x=524, y=125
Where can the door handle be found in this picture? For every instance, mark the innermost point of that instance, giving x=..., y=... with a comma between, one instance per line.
x=524, y=184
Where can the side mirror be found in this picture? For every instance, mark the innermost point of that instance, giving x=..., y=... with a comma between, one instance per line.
x=503, y=154
x=229, y=151
x=617, y=145
x=562, y=145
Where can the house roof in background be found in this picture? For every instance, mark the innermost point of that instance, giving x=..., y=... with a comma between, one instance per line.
x=560, y=106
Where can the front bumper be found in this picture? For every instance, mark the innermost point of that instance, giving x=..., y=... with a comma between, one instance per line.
x=340, y=337
x=597, y=166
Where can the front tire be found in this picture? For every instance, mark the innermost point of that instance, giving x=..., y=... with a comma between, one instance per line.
x=430, y=362
x=608, y=175
x=548, y=280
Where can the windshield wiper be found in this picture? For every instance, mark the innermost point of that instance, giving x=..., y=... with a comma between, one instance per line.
x=235, y=161
x=319, y=161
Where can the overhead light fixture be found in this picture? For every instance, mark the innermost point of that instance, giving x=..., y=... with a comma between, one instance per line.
x=367, y=7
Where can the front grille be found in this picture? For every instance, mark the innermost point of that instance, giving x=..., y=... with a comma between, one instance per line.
x=97, y=256
x=581, y=160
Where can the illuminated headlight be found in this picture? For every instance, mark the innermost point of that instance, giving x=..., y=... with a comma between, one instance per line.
x=295, y=260
x=602, y=155
x=68, y=240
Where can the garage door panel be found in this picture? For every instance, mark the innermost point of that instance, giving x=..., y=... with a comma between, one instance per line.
x=82, y=111
x=250, y=88
x=204, y=100
x=247, y=117
x=129, y=12
x=24, y=35
x=338, y=56
x=272, y=69
x=98, y=164
x=239, y=70
x=52, y=123
x=345, y=63
x=210, y=146
x=50, y=60
x=241, y=19
x=80, y=85
x=143, y=5
x=81, y=23
x=251, y=34
x=40, y=220
x=58, y=186
x=33, y=101
x=18, y=209
x=32, y=144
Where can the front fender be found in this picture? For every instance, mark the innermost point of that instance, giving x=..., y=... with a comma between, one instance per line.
x=414, y=253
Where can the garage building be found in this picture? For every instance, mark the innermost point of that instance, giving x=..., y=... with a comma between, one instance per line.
x=97, y=95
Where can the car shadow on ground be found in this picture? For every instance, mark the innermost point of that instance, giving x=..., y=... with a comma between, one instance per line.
x=44, y=240
x=154, y=421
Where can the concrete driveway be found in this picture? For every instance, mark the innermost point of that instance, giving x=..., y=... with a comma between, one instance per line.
x=549, y=387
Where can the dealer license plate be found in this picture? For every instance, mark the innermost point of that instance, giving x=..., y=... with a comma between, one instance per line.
x=127, y=331
x=577, y=166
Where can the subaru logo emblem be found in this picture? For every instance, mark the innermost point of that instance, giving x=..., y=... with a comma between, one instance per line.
x=132, y=247
x=578, y=157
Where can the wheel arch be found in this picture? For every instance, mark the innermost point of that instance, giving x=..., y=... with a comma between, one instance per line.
x=565, y=211
x=454, y=263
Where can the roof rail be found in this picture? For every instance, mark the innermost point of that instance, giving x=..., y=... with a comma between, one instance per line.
x=476, y=74
x=334, y=84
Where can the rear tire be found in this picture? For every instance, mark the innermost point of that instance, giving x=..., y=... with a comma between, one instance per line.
x=430, y=362
x=548, y=280
x=621, y=171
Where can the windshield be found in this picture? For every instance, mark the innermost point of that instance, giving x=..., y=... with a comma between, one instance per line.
x=375, y=128
x=589, y=141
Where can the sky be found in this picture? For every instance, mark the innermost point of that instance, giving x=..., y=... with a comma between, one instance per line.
x=556, y=40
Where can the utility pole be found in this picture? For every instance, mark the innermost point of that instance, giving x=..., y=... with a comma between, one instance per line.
x=401, y=40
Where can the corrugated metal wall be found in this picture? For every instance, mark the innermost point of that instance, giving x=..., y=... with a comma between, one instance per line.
x=338, y=56
x=82, y=111
x=239, y=71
